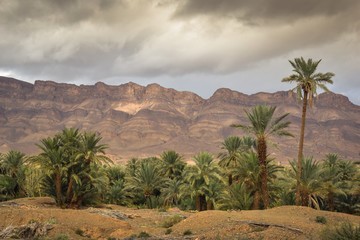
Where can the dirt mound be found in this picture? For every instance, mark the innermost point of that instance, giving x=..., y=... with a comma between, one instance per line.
x=286, y=222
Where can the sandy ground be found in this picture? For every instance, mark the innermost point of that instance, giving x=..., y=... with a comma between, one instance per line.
x=286, y=222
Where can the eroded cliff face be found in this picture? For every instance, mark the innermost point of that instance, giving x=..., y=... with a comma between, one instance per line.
x=139, y=121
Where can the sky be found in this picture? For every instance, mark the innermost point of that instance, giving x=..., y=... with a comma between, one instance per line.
x=192, y=45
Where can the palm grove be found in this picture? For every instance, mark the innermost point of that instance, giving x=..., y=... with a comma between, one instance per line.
x=73, y=169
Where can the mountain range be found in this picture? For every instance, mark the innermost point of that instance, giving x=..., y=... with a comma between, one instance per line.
x=138, y=121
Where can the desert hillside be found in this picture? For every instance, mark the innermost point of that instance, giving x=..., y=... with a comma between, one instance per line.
x=112, y=221
x=139, y=121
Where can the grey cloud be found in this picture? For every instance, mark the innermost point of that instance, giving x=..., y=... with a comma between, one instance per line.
x=253, y=11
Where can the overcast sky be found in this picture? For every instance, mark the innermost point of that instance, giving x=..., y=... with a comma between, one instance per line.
x=194, y=45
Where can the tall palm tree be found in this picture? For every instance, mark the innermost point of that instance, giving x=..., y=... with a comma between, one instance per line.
x=173, y=163
x=199, y=176
x=307, y=81
x=262, y=127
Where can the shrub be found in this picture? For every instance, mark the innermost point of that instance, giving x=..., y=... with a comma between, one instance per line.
x=171, y=221
x=132, y=236
x=162, y=209
x=187, y=232
x=168, y=231
x=62, y=236
x=320, y=219
x=143, y=235
x=80, y=232
x=32, y=221
x=346, y=231
x=51, y=221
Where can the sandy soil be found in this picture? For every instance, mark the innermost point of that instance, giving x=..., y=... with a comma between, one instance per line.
x=286, y=222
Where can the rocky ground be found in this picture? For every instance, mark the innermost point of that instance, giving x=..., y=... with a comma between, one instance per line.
x=111, y=221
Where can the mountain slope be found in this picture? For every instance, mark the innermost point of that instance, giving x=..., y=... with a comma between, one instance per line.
x=139, y=121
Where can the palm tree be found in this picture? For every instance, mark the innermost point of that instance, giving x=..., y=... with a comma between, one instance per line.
x=52, y=161
x=172, y=192
x=238, y=197
x=262, y=127
x=234, y=146
x=147, y=180
x=12, y=173
x=331, y=184
x=249, y=172
x=310, y=181
x=307, y=81
x=12, y=161
x=199, y=176
x=173, y=163
x=90, y=148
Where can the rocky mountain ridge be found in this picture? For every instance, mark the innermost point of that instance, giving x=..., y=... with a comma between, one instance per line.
x=139, y=121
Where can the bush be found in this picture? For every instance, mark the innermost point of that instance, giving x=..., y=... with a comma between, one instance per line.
x=62, y=236
x=346, y=231
x=143, y=235
x=171, y=221
x=32, y=221
x=320, y=219
x=162, y=210
x=187, y=232
x=79, y=232
x=51, y=221
x=168, y=231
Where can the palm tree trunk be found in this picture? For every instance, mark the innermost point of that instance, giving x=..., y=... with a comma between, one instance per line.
x=304, y=198
x=210, y=205
x=301, y=146
x=69, y=191
x=256, y=204
x=198, y=203
x=57, y=179
x=331, y=201
x=203, y=205
x=230, y=179
x=263, y=173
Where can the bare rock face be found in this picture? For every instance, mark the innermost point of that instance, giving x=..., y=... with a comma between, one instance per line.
x=139, y=121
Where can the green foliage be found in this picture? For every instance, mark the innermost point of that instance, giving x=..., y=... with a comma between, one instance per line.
x=171, y=221
x=187, y=232
x=62, y=236
x=12, y=175
x=238, y=197
x=71, y=162
x=143, y=235
x=168, y=231
x=345, y=231
x=32, y=221
x=51, y=221
x=79, y=232
x=307, y=79
x=172, y=164
x=320, y=219
x=146, y=181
